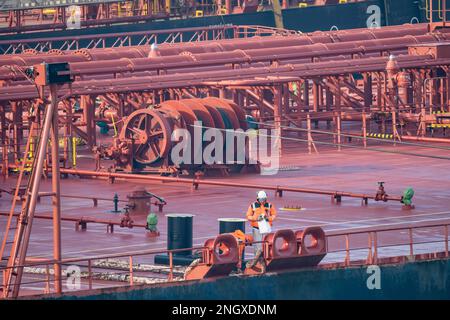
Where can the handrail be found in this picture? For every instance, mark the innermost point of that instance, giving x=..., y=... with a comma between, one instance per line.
x=155, y=251
x=373, y=250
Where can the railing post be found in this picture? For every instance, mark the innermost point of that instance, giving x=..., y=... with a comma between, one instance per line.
x=170, y=266
x=47, y=280
x=369, y=256
x=347, y=250
x=411, y=247
x=90, y=274
x=375, y=247
x=4, y=284
x=446, y=241
x=131, y=270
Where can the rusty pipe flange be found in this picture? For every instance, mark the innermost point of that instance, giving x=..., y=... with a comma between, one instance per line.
x=55, y=52
x=188, y=54
x=31, y=52
x=150, y=131
x=85, y=53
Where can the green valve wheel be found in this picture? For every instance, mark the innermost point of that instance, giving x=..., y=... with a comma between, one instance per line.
x=152, y=222
x=407, y=196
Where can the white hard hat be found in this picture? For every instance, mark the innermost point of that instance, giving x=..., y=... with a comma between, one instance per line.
x=261, y=195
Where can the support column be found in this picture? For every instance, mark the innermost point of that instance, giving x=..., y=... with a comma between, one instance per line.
x=367, y=91
x=88, y=107
x=339, y=130
x=316, y=100
x=306, y=93
x=277, y=112
x=328, y=104
x=3, y=140
x=67, y=133
x=338, y=101
x=228, y=6
x=18, y=128
x=286, y=104
x=56, y=192
x=364, y=128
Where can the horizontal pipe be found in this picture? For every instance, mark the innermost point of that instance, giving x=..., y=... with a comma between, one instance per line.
x=197, y=181
x=246, y=76
x=80, y=219
x=254, y=43
x=134, y=64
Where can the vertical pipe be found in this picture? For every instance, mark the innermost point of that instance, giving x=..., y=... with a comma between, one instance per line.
x=74, y=152
x=447, y=93
x=394, y=126
x=56, y=192
x=339, y=138
x=67, y=132
x=308, y=124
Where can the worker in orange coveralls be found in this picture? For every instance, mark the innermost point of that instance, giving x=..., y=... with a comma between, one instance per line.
x=259, y=211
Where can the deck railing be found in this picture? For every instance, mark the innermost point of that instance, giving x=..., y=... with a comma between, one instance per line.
x=109, y=270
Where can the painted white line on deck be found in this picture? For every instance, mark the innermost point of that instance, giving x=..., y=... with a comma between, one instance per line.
x=374, y=219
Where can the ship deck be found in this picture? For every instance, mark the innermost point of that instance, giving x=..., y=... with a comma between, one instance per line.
x=354, y=170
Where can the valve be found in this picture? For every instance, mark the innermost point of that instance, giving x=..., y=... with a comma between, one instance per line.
x=381, y=193
x=126, y=219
